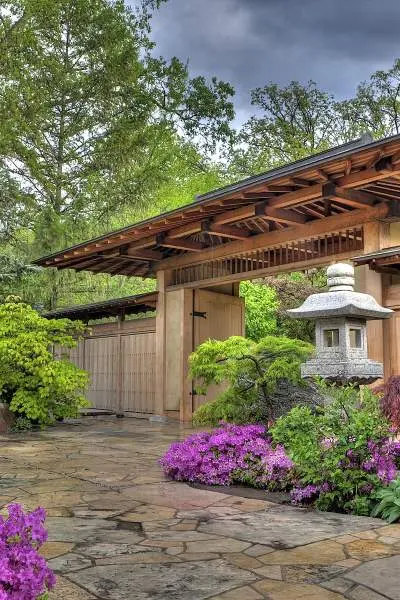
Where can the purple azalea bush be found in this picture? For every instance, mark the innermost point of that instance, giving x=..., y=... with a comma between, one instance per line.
x=24, y=574
x=229, y=454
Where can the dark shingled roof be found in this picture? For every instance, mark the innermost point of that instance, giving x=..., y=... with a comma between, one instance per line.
x=129, y=305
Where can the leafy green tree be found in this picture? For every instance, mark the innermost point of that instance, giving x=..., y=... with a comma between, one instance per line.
x=250, y=370
x=90, y=116
x=376, y=106
x=261, y=306
x=33, y=382
x=291, y=123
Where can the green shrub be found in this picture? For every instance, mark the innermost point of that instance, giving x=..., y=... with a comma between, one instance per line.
x=341, y=451
x=33, y=382
x=252, y=371
x=388, y=506
x=261, y=304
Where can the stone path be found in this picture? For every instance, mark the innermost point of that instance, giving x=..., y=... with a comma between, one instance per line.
x=118, y=530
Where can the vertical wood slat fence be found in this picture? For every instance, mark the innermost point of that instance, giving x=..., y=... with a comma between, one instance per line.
x=120, y=360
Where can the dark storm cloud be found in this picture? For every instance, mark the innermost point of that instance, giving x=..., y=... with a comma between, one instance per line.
x=337, y=43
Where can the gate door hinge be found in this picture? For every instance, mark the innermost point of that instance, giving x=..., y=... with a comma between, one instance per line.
x=197, y=313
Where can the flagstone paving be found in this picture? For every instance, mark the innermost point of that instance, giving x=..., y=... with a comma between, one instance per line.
x=119, y=530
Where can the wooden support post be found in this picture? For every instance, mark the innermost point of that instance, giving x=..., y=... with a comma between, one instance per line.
x=163, y=280
x=120, y=412
x=376, y=237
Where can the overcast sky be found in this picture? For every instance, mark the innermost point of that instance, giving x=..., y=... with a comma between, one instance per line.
x=337, y=43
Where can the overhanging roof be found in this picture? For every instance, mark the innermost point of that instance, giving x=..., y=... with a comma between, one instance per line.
x=386, y=260
x=129, y=305
x=354, y=176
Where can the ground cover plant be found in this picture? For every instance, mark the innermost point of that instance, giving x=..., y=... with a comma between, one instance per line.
x=24, y=574
x=251, y=371
x=37, y=386
x=229, y=454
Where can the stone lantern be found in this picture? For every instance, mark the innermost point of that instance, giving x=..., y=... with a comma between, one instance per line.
x=341, y=316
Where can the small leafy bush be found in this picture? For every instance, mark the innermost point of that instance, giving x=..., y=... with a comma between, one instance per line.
x=229, y=454
x=388, y=506
x=34, y=384
x=342, y=453
x=252, y=371
x=24, y=574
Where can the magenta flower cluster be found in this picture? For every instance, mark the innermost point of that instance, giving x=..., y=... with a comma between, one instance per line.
x=383, y=459
x=24, y=574
x=229, y=454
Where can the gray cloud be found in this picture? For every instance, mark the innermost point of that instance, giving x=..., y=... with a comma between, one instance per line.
x=337, y=43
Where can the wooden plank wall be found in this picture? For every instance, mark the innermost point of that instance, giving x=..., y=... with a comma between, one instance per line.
x=120, y=359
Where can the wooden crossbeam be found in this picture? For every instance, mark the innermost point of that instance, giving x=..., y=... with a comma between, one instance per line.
x=233, y=233
x=280, y=215
x=142, y=254
x=353, y=198
x=178, y=243
x=305, y=231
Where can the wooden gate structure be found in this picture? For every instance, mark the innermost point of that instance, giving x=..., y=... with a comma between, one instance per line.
x=342, y=204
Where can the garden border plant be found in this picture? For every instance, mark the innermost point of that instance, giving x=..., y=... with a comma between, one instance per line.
x=37, y=385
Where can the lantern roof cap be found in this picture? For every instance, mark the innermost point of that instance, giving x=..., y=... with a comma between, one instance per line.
x=340, y=300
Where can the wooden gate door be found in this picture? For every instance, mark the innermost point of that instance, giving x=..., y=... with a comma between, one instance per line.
x=223, y=317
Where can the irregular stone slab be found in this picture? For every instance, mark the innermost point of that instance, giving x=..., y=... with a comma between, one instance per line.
x=181, y=536
x=148, y=513
x=54, y=549
x=175, y=495
x=319, y=553
x=69, y=562
x=368, y=550
x=107, y=549
x=380, y=575
x=287, y=527
x=279, y=590
x=141, y=557
x=239, y=594
x=183, y=581
x=62, y=529
x=221, y=545
x=65, y=590
x=362, y=593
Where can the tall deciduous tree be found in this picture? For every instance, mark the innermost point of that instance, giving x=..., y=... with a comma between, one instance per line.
x=376, y=106
x=89, y=115
x=291, y=122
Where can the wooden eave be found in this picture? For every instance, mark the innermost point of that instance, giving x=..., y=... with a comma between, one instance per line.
x=352, y=177
x=140, y=303
x=386, y=260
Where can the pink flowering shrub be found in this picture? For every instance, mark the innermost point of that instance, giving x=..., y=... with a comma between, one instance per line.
x=24, y=574
x=229, y=454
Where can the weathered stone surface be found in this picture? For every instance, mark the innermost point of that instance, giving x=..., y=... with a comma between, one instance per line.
x=221, y=545
x=241, y=593
x=279, y=590
x=362, y=593
x=186, y=581
x=311, y=573
x=368, y=550
x=320, y=553
x=338, y=584
x=381, y=576
x=164, y=494
x=63, y=529
x=69, y=562
x=288, y=527
x=107, y=549
x=148, y=513
x=53, y=549
x=65, y=590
